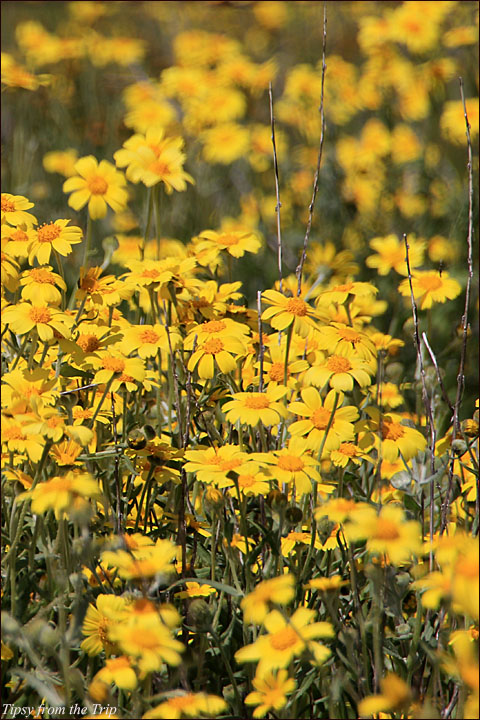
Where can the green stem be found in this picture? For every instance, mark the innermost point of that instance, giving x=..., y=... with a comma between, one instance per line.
x=88, y=242
x=228, y=668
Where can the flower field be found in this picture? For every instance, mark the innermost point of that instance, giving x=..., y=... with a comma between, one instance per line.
x=240, y=360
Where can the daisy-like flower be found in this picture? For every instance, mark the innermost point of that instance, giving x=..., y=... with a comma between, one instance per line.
x=154, y=158
x=251, y=481
x=109, y=610
x=221, y=328
x=294, y=464
x=62, y=493
x=16, y=241
x=225, y=143
x=61, y=162
x=340, y=293
x=118, y=671
x=289, y=542
x=24, y=317
x=147, y=340
x=14, y=209
x=234, y=242
x=144, y=562
x=40, y=284
x=274, y=364
x=391, y=254
x=65, y=453
x=387, y=533
x=278, y=590
x=148, y=641
x=270, y=692
x=396, y=437
x=216, y=351
x=287, y=639
x=212, y=465
x=250, y=408
x=106, y=291
x=348, y=452
x=289, y=311
x=98, y=184
x=341, y=339
x=319, y=416
x=115, y=366
x=386, y=394
x=326, y=584
x=187, y=705
x=324, y=261
x=58, y=236
x=16, y=440
x=339, y=372
x=430, y=287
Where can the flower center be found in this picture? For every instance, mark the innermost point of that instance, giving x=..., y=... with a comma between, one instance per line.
x=48, y=233
x=149, y=336
x=392, y=430
x=296, y=306
x=432, y=282
x=180, y=703
x=40, y=275
x=97, y=185
x=343, y=288
x=213, y=346
x=257, y=401
x=12, y=433
x=40, y=315
x=19, y=235
x=227, y=465
x=349, y=335
x=246, y=481
x=276, y=372
x=116, y=365
x=150, y=273
x=88, y=343
x=320, y=418
x=7, y=205
x=284, y=639
x=229, y=240
x=348, y=449
x=338, y=364
x=214, y=326
x=290, y=463
x=386, y=530
x=160, y=168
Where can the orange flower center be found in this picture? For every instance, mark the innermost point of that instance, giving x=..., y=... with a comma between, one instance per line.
x=349, y=335
x=12, y=433
x=213, y=346
x=320, y=418
x=338, y=364
x=296, y=306
x=97, y=185
x=290, y=463
x=40, y=315
x=229, y=240
x=276, y=372
x=284, y=639
x=214, y=326
x=88, y=343
x=82, y=414
x=386, y=530
x=149, y=336
x=19, y=235
x=181, y=702
x=257, y=401
x=7, y=205
x=143, y=638
x=348, y=449
x=48, y=233
x=227, y=465
x=246, y=481
x=392, y=430
x=150, y=273
x=160, y=168
x=116, y=365
x=40, y=275
x=431, y=282
x=125, y=378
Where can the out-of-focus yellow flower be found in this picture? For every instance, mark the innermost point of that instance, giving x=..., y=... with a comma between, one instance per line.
x=14, y=210
x=98, y=184
x=15, y=75
x=391, y=254
x=270, y=690
x=62, y=493
x=452, y=121
x=463, y=35
x=62, y=162
x=225, y=143
x=118, y=671
x=394, y=696
x=278, y=590
x=144, y=562
x=387, y=533
x=187, y=705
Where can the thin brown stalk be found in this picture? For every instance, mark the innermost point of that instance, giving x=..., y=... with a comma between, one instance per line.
x=425, y=398
x=311, y=207
x=260, y=337
x=463, y=352
x=277, y=191
x=175, y=377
